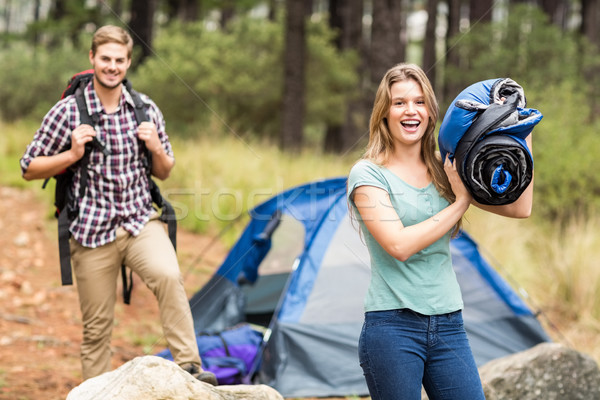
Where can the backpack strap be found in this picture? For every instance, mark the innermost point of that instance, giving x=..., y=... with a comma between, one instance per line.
x=69, y=209
x=64, y=251
x=168, y=212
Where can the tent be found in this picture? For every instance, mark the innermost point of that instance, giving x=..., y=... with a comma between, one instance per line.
x=301, y=270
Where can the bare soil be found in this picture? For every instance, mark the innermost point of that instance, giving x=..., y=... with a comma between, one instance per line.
x=40, y=322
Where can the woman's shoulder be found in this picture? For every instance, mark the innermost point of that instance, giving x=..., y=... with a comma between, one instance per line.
x=364, y=168
x=366, y=172
x=365, y=165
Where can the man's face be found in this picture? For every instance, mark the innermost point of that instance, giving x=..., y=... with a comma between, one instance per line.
x=110, y=64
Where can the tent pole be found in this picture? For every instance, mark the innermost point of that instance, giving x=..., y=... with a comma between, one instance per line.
x=269, y=331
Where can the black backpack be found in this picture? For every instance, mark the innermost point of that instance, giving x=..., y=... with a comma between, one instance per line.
x=66, y=201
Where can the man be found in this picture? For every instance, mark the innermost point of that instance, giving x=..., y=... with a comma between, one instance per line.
x=116, y=222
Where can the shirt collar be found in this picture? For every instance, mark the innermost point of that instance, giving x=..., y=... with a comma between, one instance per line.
x=94, y=105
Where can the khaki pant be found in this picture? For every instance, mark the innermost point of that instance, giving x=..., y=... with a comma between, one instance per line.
x=152, y=257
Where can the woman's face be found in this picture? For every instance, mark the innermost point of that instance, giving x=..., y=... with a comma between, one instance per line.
x=408, y=116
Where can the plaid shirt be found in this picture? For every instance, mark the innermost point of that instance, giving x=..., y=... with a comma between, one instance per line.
x=117, y=192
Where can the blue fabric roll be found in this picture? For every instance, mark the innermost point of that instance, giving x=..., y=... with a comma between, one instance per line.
x=485, y=136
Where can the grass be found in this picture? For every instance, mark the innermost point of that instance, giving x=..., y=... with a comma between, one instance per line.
x=554, y=265
x=218, y=178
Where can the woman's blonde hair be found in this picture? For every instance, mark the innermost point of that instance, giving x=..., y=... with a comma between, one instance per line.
x=381, y=144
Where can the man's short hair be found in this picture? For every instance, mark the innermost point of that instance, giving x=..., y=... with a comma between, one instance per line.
x=112, y=34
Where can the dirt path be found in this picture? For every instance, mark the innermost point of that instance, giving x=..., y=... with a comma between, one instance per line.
x=40, y=324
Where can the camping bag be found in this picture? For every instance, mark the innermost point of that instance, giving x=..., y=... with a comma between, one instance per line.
x=486, y=139
x=229, y=354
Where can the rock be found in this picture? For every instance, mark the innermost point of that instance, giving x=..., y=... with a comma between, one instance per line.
x=154, y=378
x=21, y=240
x=547, y=371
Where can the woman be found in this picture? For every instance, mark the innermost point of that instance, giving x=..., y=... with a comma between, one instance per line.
x=408, y=203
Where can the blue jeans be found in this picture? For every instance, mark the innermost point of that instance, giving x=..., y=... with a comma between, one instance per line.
x=400, y=350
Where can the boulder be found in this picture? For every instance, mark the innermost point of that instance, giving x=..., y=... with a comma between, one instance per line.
x=547, y=371
x=154, y=378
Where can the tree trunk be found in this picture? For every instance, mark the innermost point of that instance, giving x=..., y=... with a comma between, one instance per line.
x=141, y=26
x=556, y=11
x=272, y=14
x=429, y=45
x=58, y=10
x=346, y=17
x=480, y=11
x=190, y=11
x=386, y=49
x=117, y=7
x=589, y=21
x=6, y=16
x=183, y=10
x=227, y=13
x=452, y=62
x=333, y=134
x=590, y=17
x=293, y=92
x=36, y=19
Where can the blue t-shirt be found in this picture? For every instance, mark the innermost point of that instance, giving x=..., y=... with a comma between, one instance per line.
x=426, y=282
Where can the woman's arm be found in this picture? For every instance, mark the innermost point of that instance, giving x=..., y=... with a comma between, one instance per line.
x=382, y=220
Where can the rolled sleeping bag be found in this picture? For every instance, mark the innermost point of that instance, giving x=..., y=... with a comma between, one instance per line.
x=485, y=136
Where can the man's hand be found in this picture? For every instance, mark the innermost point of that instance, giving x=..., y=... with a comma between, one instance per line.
x=161, y=162
x=79, y=137
x=148, y=134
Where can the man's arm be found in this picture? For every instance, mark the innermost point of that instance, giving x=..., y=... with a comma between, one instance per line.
x=43, y=167
x=162, y=163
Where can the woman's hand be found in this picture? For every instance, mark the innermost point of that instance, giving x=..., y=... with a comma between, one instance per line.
x=458, y=187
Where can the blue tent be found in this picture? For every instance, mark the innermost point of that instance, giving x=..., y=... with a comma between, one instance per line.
x=301, y=270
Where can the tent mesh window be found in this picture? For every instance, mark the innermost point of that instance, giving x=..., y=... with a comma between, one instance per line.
x=287, y=243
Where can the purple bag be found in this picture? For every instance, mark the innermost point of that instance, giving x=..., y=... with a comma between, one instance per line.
x=229, y=354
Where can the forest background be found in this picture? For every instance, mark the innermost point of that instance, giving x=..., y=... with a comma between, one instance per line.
x=262, y=95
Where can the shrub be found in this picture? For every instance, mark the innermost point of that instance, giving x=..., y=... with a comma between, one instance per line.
x=525, y=47
x=567, y=183
x=32, y=79
x=237, y=76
